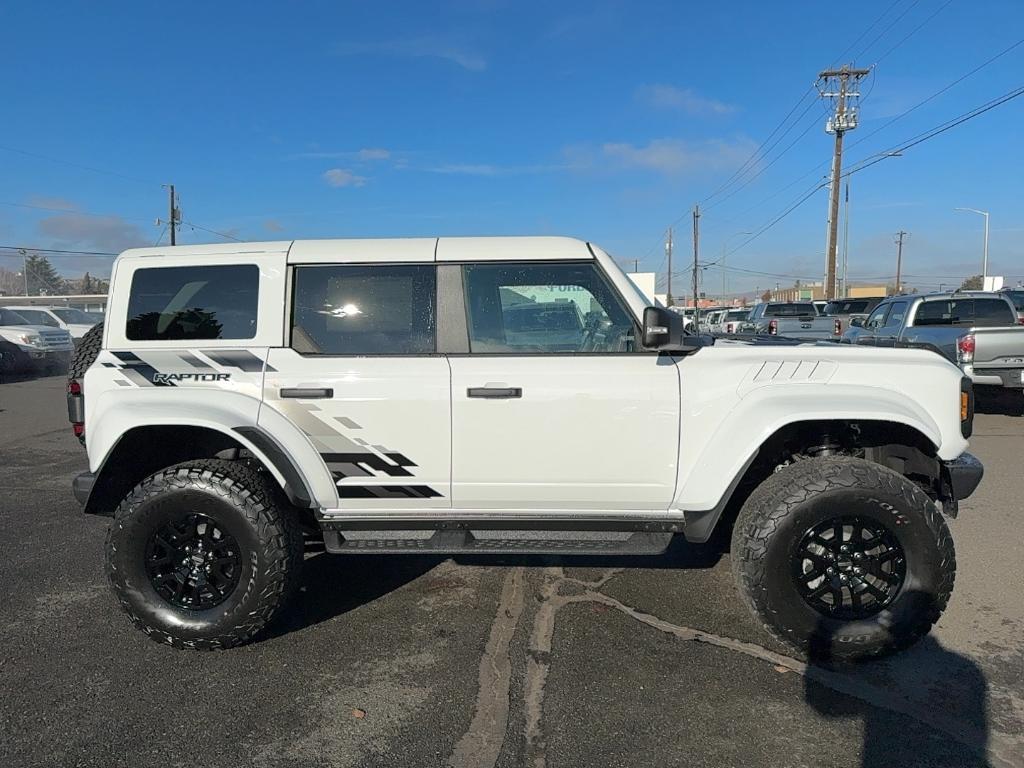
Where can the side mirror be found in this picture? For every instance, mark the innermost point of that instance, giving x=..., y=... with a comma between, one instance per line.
x=662, y=328
x=857, y=322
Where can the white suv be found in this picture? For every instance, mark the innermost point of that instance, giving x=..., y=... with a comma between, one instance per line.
x=74, y=321
x=33, y=346
x=498, y=395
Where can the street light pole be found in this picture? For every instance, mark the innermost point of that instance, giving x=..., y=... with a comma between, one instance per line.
x=984, y=258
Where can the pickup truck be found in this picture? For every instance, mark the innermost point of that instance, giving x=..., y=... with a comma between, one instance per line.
x=846, y=310
x=441, y=396
x=977, y=330
x=792, y=319
x=33, y=347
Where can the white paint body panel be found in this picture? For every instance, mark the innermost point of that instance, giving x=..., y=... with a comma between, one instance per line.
x=593, y=435
x=589, y=433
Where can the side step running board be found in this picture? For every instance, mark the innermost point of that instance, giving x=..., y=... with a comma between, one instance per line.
x=463, y=541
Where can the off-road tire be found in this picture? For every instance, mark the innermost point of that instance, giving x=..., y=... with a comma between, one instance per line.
x=86, y=352
x=251, y=508
x=786, y=505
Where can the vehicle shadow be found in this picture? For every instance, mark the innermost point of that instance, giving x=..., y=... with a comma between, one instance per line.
x=999, y=401
x=927, y=675
x=333, y=585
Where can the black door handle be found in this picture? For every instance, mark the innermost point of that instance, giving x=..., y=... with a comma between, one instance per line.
x=495, y=393
x=308, y=393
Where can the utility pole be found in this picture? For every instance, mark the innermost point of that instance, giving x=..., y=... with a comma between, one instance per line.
x=174, y=212
x=636, y=265
x=696, y=254
x=899, y=257
x=837, y=85
x=668, y=252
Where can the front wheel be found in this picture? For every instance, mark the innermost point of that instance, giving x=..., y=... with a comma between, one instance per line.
x=203, y=554
x=842, y=558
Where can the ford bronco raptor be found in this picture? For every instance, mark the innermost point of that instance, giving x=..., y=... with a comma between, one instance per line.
x=498, y=395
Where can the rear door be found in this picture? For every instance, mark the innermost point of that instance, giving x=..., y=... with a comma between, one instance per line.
x=361, y=377
x=555, y=407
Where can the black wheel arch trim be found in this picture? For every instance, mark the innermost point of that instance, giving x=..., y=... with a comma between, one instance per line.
x=295, y=487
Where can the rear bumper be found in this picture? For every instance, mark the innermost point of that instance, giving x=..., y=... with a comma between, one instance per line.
x=82, y=485
x=961, y=476
x=996, y=377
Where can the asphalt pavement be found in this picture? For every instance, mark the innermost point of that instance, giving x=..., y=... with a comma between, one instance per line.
x=411, y=661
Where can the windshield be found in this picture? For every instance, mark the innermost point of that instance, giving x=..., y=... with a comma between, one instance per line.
x=73, y=316
x=7, y=317
x=1017, y=297
x=847, y=307
x=737, y=314
x=790, y=310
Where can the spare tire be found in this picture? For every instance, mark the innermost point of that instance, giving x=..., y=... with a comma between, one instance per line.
x=86, y=353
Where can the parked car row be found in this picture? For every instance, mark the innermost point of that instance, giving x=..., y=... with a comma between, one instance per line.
x=36, y=340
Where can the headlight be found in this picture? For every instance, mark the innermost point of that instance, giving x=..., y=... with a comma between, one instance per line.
x=31, y=339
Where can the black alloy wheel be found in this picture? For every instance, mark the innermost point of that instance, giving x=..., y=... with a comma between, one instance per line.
x=192, y=562
x=849, y=567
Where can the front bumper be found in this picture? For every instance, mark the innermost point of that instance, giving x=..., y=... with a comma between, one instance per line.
x=961, y=476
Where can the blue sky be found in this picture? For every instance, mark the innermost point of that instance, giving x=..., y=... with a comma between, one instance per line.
x=602, y=120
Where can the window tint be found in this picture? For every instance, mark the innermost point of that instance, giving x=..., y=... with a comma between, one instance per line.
x=73, y=316
x=897, y=311
x=7, y=317
x=1017, y=297
x=193, y=303
x=736, y=314
x=544, y=308
x=849, y=307
x=877, y=317
x=38, y=317
x=790, y=310
x=364, y=310
x=993, y=312
x=965, y=312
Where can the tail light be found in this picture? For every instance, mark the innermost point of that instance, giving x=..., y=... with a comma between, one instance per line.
x=965, y=348
x=76, y=408
x=837, y=327
x=729, y=327
x=773, y=327
x=1020, y=320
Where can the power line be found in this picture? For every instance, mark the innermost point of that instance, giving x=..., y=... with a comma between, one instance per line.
x=937, y=130
x=53, y=250
x=885, y=31
x=750, y=161
x=74, y=165
x=864, y=34
x=938, y=93
x=914, y=31
x=212, y=231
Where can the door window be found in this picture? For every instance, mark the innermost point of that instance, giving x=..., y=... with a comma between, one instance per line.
x=539, y=308
x=897, y=311
x=364, y=309
x=190, y=303
x=877, y=318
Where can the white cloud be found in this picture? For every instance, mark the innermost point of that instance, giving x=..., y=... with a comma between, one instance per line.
x=55, y=203
x=101, y=233
x=273, y=225
x=682, y=99
x=672, y=157
x=362, y=155
x=340, y=177
x=416, y=48
x=373, y=153
x=488, y=169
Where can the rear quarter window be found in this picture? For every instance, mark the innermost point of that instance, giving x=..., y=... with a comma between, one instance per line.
x=193, y=303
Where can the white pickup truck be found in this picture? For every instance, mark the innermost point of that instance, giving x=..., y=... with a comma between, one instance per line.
x=498, y=395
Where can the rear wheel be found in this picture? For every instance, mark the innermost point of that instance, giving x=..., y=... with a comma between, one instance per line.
x=842, y=558
x=203, y=554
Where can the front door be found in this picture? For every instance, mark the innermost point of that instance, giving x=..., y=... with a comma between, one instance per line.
x=555, y=407
x=362, y=379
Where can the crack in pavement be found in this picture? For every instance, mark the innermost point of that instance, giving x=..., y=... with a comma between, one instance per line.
x=481, y=745
x=1002, y=748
